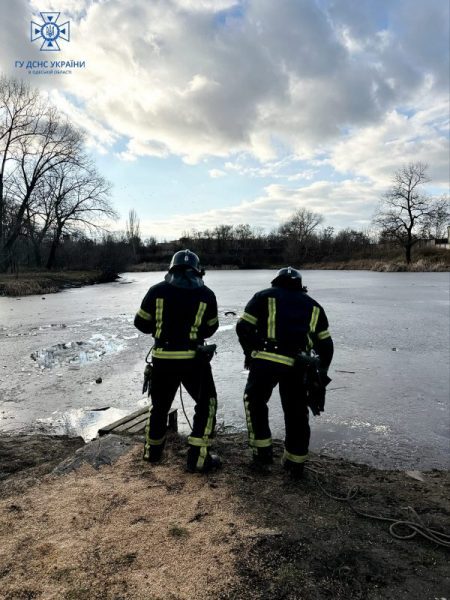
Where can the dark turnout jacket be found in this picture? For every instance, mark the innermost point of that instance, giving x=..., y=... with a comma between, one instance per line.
x=280, y=321
x=180, y=313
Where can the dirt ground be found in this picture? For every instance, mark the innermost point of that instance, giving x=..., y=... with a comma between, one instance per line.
x=132, y=530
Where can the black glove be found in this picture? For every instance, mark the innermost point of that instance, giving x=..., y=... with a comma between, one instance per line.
x=317, y=380
x=323, y=376
x=147, y=385
x=206, y=352
x=316, y=398
x=247, y=361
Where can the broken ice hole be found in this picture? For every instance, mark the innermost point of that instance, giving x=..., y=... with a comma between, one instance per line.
x=75, y=354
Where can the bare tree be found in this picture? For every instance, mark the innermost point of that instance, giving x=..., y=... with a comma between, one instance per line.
x=18, y=107
x=223, y=234
x=435, y=225
x=52, y=142
x=133, y=226
x=77, y=199
x=405, y=208
x=243, y=233
x=298, y=231
x=39, y=218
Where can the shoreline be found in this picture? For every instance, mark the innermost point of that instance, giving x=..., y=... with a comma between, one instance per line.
x=133, y=530
x=43, y=282
x=48, y=282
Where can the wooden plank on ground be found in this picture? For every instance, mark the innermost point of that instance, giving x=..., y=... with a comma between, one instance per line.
x=134, y=423
x=129, y=424
x=136, y=428
x=138, y=424
x=108, y=428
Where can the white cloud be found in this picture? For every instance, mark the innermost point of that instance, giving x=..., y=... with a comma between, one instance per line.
x=215, y=173
x=200, y=78
x=377, y=151
x=137, y=148
x=206, y=5
x=97, y=135
x=274, y=169
x=358, y=87
x=341, y=203
x=307, y=175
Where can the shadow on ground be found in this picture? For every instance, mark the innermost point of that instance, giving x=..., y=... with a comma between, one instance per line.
x=230, y=535
x=317, y=547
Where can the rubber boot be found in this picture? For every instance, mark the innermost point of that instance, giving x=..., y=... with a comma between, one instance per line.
x=296, y=470
x=155, y=454
x=262, y=459
x=212, y=462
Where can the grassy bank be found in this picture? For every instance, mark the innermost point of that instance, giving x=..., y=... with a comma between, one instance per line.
x=362, y=264
x=425, y=260
x=135, y=531
x=385, y=266
x=48, y=282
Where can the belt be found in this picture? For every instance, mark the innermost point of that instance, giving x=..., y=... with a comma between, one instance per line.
x=274, y=357
x=173, y=354
x=170, y=350
x=277, y=348
x=176, y=346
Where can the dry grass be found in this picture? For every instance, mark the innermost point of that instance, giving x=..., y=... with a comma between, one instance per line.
x=421, y=265
x=424, y=262
x=425, y=265
x=145, y=267
x=133, y=531
x=18, y=287
x=37, y=282
x=128, y=531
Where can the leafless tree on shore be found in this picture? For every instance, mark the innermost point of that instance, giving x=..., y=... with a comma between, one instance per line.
x=405, y=209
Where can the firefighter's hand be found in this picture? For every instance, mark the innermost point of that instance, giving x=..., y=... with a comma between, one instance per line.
x=247, y=361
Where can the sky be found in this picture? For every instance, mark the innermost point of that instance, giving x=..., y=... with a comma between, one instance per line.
x=211, y=112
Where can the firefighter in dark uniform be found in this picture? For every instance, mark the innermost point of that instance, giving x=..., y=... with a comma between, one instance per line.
x=279, y=323
x=180, y=313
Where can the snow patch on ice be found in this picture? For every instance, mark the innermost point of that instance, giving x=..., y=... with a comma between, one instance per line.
x=357, y=424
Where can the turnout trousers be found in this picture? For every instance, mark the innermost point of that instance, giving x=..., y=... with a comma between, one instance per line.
x=196, y=376
x=263, y=376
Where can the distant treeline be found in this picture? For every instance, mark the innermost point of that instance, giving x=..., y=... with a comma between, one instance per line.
x=298, y=241
x=238, y=246
x=225, y=246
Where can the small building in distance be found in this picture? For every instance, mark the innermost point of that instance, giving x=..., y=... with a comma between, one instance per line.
x=437, y=242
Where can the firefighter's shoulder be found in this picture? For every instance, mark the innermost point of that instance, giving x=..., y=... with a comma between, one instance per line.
x=158, y=287
x=207, y=293
x=159, y=290
x=265, y=293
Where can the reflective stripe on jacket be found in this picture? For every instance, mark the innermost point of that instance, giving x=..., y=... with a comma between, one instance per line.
x=277, y=323
x=178, y=318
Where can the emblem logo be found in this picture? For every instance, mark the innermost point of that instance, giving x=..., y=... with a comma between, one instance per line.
x=49, y=31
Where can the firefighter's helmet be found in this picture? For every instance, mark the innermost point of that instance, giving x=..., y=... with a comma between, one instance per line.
x=288, y=274
x=185, y=259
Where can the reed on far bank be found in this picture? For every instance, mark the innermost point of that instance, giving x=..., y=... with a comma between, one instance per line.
x=38, y=282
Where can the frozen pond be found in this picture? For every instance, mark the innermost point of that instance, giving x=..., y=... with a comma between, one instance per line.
x=387, y=404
